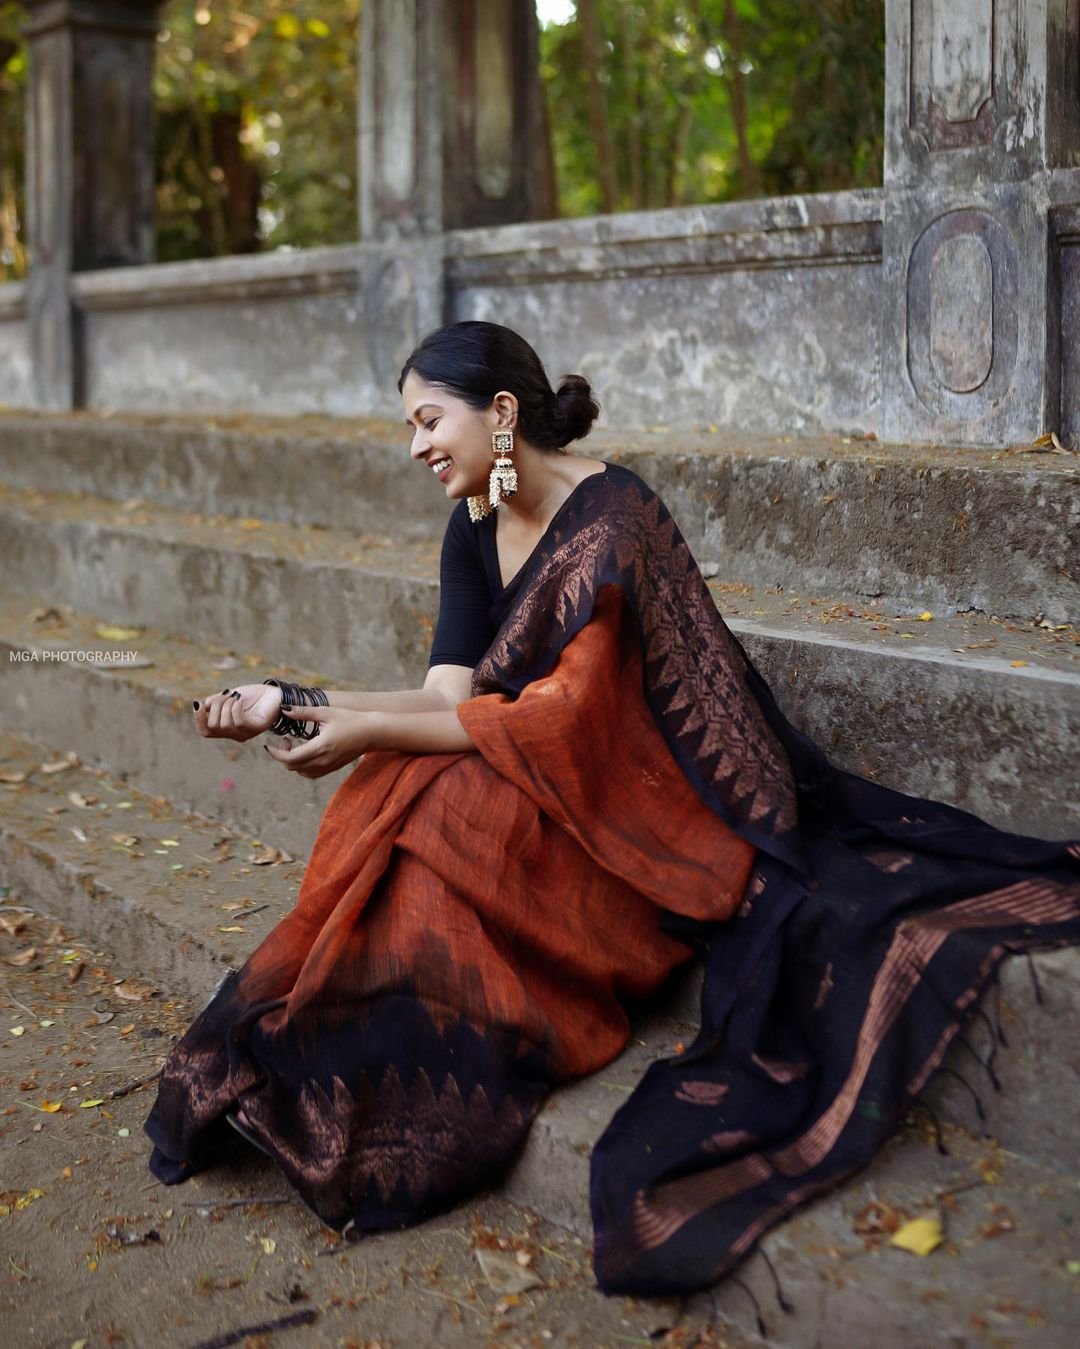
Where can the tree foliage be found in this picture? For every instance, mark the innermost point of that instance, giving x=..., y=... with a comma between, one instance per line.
x=709, y=100
x=651, y=103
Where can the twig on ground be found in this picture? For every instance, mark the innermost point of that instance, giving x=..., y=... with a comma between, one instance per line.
x=304, y=1318
x=117, y=1092
x=239, y=1203
x=21, y=1005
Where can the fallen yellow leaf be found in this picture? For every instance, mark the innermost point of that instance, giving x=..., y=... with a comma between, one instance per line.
x=1018, y=664
x=18, y=1030
x=87, y=1105
x=233, y=928
x=926, y=616
x=112, y=634
x=269, y=1245
x=51, y=1107
x=920, y=1236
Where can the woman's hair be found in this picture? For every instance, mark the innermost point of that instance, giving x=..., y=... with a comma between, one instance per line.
x=476, y=360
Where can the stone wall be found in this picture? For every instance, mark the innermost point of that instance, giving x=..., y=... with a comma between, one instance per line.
x=16, y=388
x=754, y=315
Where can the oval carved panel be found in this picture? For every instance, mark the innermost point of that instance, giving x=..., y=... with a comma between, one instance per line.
x=962, y=313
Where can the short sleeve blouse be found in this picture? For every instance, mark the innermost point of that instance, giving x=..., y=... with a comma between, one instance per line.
x=469, y=583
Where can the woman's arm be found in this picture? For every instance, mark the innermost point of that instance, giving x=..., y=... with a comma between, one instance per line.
x=345, y=735
x=243, y=713
x=444, y=687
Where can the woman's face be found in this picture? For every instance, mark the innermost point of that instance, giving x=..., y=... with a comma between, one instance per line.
x=450, y=438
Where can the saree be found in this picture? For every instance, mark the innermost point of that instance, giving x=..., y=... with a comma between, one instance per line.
x=471, y=929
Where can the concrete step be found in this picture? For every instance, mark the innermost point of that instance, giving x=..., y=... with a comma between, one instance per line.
x=1009, y=1203
x=948, y=529
x=984, y=714
x=352, y=606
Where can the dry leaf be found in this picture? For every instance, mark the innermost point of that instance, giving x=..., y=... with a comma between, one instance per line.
x=127, y=840
x=13, y=778
x=926, y=616
x=113, y=634
x=17, y=1031
x=13, y=926
x=1018, y=664
x=132, y=992
x=70, y=760
x=50, y=614
x=269, y=1245
x=85, y=802
x=23, y=957
x=233, y=928
x=920, y=1236
x=51, y=1107
x=264, y=856
x=504, y=1274
x=75, y=972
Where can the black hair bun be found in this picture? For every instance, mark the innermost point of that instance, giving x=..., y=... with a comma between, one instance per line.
x=575, y=408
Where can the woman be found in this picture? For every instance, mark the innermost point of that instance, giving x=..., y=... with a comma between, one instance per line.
x=592, y=786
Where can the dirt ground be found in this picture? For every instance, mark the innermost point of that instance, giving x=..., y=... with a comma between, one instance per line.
x=94, y=1252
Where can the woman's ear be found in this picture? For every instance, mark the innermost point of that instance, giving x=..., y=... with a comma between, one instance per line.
x=505, y=407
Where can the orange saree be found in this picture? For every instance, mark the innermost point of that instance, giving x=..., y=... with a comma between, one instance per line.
x=466, y=931
x=470, y=925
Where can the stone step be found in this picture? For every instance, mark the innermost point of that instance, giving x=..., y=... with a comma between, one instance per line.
x=948, y=529
x=330, y=599
x=984, y=714
x=166, y=907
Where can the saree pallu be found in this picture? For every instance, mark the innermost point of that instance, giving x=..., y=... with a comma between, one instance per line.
x=470, y=926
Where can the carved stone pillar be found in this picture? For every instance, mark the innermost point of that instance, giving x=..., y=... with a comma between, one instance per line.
x=450, y=116
x=982, y=125
x=90, y=165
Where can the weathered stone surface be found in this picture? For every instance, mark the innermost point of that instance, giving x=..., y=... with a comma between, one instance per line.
x=980, y=113
x=912, y=529
x=761, y=316
x=16, y=379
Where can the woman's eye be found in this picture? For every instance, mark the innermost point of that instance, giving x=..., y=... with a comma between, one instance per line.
x=431, y=425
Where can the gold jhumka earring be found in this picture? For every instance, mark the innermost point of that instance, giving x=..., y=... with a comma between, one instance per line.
x=503, y=480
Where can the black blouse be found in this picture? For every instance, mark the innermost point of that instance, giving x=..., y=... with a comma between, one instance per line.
x=470, y=582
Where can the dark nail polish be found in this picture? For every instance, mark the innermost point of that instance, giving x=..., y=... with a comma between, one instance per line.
x=286, y=707
x=195, y=706
x=236, y=695
x=224, y=690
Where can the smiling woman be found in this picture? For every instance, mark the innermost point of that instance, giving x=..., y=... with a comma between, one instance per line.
x=593, y=785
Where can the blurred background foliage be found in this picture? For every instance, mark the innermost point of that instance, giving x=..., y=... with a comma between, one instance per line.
x=651, y=103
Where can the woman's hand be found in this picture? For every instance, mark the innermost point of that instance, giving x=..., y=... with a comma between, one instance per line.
x=343, y=736
x=238, y=714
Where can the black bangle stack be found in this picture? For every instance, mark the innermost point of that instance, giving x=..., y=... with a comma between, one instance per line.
x=297, y=695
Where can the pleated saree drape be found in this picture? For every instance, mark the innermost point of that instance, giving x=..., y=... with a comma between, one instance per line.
x=470, y=927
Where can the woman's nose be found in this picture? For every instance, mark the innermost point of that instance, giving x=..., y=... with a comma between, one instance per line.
x=419, y=446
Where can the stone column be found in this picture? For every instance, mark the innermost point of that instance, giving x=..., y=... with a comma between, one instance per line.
x=450, y=137
x=450, y=116
x=90, y=165
x=982, y=128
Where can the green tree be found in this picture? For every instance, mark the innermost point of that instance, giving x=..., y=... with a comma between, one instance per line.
x=12, y=142
x=707, y=100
